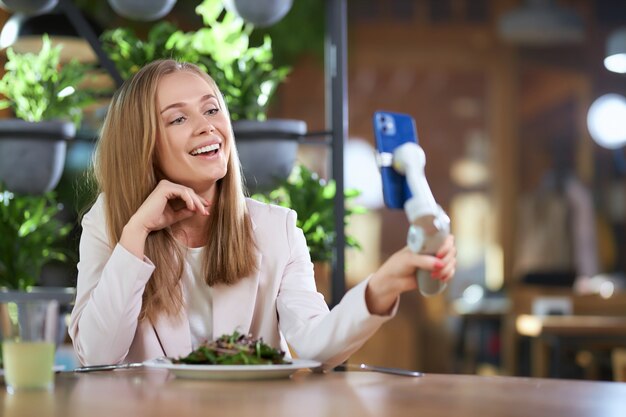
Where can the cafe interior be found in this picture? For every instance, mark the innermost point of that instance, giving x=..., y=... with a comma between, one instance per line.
x=520, y=108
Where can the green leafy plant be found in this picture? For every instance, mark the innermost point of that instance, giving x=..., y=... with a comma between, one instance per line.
x=234, y=349
x=30, y=237
x=37, y=87
x=245, y=74
x=130, y=53
x=312, y=198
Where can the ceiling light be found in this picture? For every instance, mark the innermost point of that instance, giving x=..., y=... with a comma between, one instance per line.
x=605, y=121
x=616, y=52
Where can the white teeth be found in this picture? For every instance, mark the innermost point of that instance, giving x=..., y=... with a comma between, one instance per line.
x=205, y=149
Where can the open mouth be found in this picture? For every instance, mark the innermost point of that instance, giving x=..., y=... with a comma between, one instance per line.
x=208, y=150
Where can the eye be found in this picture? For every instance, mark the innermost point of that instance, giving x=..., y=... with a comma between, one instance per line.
x=212, y=111
x=178, y=120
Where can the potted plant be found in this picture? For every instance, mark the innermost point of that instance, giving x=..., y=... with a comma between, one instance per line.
x=47, y=101
x=312, y=198
x=30, y=236
x=244, y=73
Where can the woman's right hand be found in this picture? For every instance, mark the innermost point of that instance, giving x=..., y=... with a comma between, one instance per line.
x=166, y=205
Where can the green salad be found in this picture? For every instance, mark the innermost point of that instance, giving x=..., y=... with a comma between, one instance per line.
x=234, y=349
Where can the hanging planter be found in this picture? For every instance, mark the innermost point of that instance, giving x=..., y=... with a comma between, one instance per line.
x=142, y=9
x=32, y=154
x=47, y=100
x=260, y=13
x=267, y=150
x=29, y=7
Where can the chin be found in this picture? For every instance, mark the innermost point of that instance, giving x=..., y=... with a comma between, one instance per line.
x=216, y=176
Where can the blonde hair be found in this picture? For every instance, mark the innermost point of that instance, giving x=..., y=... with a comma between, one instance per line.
x=126, y=172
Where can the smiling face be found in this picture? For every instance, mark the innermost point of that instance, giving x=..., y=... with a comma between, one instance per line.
x=195, y=147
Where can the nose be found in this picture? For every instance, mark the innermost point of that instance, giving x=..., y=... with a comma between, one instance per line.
x=204, y=126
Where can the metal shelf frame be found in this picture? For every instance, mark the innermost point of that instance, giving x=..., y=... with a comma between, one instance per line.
x=335, y=48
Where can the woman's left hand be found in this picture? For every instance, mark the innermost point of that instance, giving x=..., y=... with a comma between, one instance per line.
x=398, y=275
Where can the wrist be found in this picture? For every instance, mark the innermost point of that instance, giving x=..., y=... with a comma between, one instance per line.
x=380, y=295
x=133, y=238
x=135, y=228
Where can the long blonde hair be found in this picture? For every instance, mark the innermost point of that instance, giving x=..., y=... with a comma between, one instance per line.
x=126, y=173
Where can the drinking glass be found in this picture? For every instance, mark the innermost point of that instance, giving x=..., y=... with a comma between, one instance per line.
x=28, y=329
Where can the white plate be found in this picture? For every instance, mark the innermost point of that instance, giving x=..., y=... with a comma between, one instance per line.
x=232, y=371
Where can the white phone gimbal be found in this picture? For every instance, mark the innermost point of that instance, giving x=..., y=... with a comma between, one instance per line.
x=430, y=225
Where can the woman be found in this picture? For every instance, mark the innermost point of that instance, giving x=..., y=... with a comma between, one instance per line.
x=172, y=253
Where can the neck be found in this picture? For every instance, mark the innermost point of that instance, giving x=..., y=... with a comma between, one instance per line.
x=192, y=232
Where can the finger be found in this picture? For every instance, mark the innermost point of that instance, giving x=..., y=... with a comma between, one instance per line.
x=449, y=256
x=447, y=245
x=422, y=261
x=181, y=215
x=449, y=277
x=447, y=272
x=178, y=196
x=192, y=202
x=447, y=251
x=198, y=204
x=443, y=267
x=189, y=199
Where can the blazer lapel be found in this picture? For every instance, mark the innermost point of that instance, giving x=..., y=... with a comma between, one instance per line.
x=233, y=305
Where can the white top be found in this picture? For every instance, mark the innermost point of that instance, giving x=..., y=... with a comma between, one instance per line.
x=198, y=299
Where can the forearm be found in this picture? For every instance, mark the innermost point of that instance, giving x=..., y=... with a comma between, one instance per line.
x=329, y=337
x=108, y=303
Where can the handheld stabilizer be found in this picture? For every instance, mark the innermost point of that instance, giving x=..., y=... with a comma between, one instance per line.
x=401, y=161
x=430, y=225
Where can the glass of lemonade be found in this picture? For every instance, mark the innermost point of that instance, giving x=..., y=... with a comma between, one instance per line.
x=28, y=330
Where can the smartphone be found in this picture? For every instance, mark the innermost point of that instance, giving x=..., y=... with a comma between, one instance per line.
x=392, y=130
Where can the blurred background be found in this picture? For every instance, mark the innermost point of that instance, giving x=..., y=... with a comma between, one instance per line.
x=523, y=127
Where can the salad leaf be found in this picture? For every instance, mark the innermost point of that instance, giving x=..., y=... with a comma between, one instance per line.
x=234, y=349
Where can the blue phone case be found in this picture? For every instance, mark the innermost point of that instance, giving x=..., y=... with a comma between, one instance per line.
x=392, y=130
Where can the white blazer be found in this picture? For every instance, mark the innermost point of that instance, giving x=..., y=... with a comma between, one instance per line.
x=279, y=302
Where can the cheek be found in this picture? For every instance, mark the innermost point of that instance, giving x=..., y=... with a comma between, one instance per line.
x=227, y=151
x=158, y=153
x=165, y=155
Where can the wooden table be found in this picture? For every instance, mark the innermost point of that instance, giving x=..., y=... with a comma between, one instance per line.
x=549, y=334
x=156, y=393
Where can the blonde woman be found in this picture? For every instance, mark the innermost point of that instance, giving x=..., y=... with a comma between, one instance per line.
x=173, y=254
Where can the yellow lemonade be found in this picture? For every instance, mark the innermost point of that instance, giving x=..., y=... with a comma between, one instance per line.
x=28, y=365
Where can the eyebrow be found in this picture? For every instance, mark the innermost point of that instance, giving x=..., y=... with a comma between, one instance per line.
x=182, y=104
